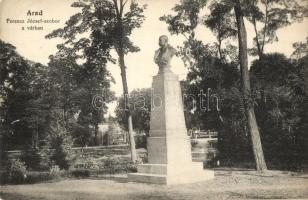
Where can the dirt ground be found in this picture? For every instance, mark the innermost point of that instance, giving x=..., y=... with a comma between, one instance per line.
x=228, y=184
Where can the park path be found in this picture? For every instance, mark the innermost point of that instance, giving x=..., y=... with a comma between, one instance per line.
x=226, y=185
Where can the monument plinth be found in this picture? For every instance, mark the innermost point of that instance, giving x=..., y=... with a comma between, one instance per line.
x=169, y=148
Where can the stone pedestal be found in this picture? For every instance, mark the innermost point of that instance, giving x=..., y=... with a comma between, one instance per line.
x=169, y=148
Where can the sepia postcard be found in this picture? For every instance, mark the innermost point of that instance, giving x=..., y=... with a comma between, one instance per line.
x=153, y=99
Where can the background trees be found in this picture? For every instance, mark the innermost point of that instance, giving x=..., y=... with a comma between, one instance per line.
x=222, y=24
x=24, y=108
x=225, y=16
x=246, y=88
x=268, y=16
x=35, y=96
x=109, y=25
x=140, y=103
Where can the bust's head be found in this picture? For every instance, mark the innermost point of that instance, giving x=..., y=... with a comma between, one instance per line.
x=163, y=41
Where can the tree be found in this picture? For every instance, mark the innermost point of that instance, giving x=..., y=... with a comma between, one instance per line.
x=187, y=19
x=110, y=26
x=278, y=85
x=249, y=107
x=299, y=93
x=301, y=49
x=274, y=108
x=140, y=103
x=208, y=72
x=222, y=24
x=177, y=25
x=58, y=143
x=24, y=110
x=272, y=15
x=122, y=46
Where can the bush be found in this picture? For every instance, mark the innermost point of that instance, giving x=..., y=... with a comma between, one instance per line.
x=88, y=163
x=80, y=173
x=34, y=177
x=55, y=171
x=60, y=157
x=57, y=149
x=17, y=171
x=32, y=159
x=3, y=159
x=131, y=167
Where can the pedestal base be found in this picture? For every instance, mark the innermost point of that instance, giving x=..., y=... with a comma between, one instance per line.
x=171, y=175
x=169, y=148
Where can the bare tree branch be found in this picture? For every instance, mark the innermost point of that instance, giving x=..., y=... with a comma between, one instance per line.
x=122, y=7
x=116, y=7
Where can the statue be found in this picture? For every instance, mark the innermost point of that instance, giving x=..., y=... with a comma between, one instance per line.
x=164, y=54
x=168, y=145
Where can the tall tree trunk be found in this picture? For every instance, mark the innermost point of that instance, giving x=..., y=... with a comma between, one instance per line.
x=95, y=133
x=260, y=53
x=252, y=122
x=219, y=49
x=128, y=113
x=119, y=7
x=265, y=27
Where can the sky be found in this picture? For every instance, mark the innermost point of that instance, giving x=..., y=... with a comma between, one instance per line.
x=140, y=66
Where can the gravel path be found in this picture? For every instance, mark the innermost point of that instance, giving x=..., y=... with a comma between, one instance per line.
x=226, y=185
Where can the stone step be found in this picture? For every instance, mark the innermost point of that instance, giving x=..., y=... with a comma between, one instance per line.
x=170, y=169
x=153, y=169
x=184, y=178
x=147, y=178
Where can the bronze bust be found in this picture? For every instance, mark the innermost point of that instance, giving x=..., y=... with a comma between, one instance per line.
x=164, y=54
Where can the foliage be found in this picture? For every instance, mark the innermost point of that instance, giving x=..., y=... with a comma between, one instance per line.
x=87, y=163
x=76, y=88
x=301, y=49
x=32, y=92
x=299, y=94
x=272, y=15
x=16, y=171
x=281, y=103
x=39, y=176
x=55, y=170
x=222, y=24
x=139, y=104
x=190, y=14
x=209, y=73
x=80, y=173
x=29, y=177
x=32, y=159
x=109, y=26
x=225, y=111
x=23, y=113
x=186, y=19
x=205, y=72
x=56, y=150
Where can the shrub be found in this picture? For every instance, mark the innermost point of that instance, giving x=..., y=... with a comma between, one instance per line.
x=80, y=173
x=55, y=171
x=57, y=148
x=4, y=177
x=34, y=177
x=16, y=171
x=3, y=159
x=131, y=167
x=32, y=159
x=88, y=163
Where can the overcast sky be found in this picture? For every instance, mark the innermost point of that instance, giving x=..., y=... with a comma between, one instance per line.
x=140, y=66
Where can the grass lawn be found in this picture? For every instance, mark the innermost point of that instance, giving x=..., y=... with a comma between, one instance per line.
x=228, y=184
